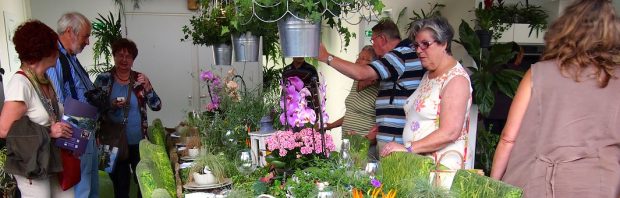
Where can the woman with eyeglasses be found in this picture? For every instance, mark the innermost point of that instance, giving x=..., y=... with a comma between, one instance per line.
x=130, y=93
x=437, y=112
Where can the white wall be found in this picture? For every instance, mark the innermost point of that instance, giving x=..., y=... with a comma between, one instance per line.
x=50, y=11
x=171, y=65
x=14, y=12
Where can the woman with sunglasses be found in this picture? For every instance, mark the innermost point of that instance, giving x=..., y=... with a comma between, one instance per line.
x=438, y=110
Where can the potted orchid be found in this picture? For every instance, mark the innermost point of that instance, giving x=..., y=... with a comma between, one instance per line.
x=304, y=137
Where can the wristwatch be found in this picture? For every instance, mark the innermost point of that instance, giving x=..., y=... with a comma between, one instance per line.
x=330, y=58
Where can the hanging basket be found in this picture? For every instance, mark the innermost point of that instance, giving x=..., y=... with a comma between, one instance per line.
x=299, y=38
x=246, y=47
x=222, y=54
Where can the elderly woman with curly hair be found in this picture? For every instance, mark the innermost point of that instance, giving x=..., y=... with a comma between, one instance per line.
x=562, y=137
x=31, y=109
x=437, y=112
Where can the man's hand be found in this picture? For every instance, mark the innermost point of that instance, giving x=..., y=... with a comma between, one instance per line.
x=323, y=54
x=372, y=134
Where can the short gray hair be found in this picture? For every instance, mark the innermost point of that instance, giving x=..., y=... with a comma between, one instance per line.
x=370, y=50
x=75, y=20
x=440, y=28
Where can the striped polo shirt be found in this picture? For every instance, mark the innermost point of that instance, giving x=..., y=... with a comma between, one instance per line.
x=360, y=114
x=401, y=65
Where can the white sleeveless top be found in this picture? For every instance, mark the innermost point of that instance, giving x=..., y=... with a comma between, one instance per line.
x=422, y=113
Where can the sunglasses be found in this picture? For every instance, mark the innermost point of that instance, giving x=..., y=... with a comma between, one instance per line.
x=423, y=45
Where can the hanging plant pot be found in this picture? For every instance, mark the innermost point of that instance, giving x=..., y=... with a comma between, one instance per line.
x=222, y=54
x=485, y=38
x=246, y=47
x=299, y=38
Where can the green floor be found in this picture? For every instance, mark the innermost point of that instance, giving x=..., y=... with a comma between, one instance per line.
x=106, y=190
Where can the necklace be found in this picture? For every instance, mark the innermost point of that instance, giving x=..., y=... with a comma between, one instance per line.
x=40, y=80
x=47, y=96
x=119, y=77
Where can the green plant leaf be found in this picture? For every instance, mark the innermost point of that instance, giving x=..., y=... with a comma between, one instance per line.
x=470, y=41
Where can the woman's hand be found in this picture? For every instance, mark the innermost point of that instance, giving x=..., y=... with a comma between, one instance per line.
x=392, y=147
x=61, y=129
x=146, y=83
x=119, y=103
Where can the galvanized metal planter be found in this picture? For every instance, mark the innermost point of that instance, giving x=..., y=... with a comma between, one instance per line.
x=222, y=54
x=299, y=38
x=245, y=47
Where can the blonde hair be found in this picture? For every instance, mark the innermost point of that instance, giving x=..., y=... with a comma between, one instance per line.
x=586, y=35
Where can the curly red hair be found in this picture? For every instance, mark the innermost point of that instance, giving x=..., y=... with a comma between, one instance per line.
x=34, y=41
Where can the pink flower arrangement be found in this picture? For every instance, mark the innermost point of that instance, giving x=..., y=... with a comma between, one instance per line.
x=214, y=86
x=297, y=112
x=308, y=141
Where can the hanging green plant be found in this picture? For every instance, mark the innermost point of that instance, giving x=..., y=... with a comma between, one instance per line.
x=106, y=30
x=212, y=26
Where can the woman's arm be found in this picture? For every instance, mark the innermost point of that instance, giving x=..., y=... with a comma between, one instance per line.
x=11, y=111
x=454, y=101
x=453, y=107
x=335, y=124
x=511, y=130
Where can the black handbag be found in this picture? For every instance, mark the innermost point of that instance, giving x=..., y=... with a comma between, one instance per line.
x=113, y=134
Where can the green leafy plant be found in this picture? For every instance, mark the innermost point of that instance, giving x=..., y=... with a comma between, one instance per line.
x=489, y=76
x=315, y=10
x=536, y=16
x=435, y=11
x=106, y=30
x=212, y=26
x=487, y=18
x=7, y=183
x=498, y=17
x=486, y=142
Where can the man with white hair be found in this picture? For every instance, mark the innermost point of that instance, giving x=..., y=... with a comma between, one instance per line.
x=72, y=80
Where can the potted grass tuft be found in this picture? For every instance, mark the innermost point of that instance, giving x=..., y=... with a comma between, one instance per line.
x=209, y=169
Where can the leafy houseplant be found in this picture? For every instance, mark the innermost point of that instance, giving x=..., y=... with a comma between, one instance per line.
x=315, y=11
x=499, y=17
x=490, y=76
x=488, y=24
x=7, y=182
x=106, y=30
x=212, y=26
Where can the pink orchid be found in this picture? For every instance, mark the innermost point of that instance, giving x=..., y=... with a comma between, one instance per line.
x=296, y=81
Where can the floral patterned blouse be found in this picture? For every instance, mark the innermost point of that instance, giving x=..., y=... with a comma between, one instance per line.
x=422, y=113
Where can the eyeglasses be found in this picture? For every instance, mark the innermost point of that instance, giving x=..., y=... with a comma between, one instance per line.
x=423, y=45
x=372, y=39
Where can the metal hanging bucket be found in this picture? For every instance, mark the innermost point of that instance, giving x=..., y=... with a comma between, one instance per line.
x=246, y=47
x=222, y=54
x=299, y=38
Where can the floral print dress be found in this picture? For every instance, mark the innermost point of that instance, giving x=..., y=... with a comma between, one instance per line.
x=422, y=112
